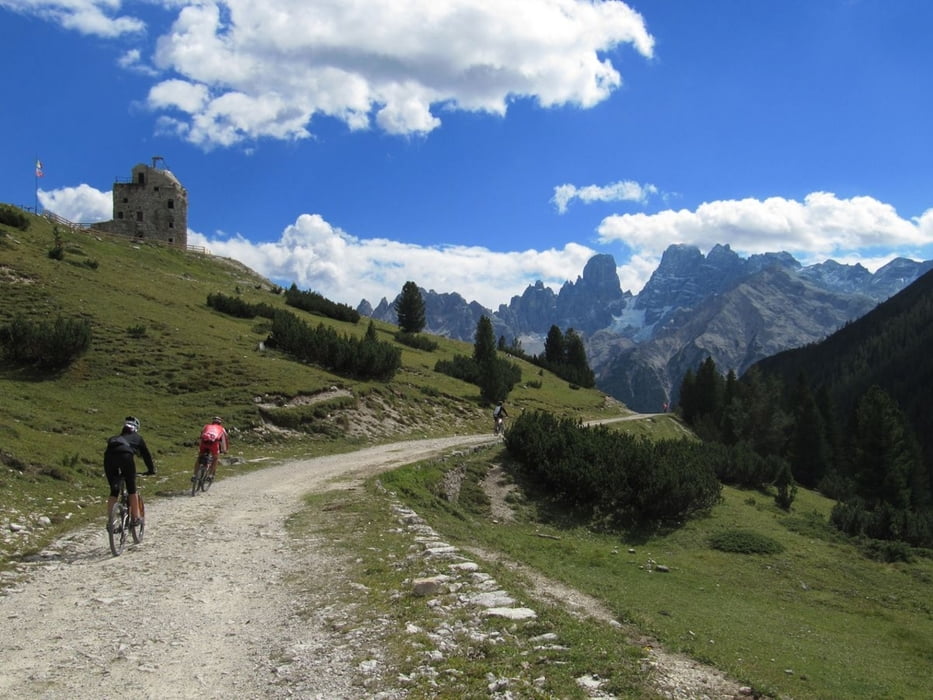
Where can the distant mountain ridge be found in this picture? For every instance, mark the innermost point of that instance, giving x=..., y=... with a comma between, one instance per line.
x=733, y=309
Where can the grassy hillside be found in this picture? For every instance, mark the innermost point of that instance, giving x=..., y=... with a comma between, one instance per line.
x=812, y=617
x=158, y=352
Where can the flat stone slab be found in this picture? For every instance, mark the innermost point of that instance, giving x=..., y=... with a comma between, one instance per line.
x=512, y=613
x=492, y=599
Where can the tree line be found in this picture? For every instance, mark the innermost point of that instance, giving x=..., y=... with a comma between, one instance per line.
x=868, y=459
x=366, y=358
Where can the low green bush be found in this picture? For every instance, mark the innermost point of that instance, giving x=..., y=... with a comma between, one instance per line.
x=417, y=341
x=745, y=542
x=13, y=217
x=45, y=344
x=618, y=477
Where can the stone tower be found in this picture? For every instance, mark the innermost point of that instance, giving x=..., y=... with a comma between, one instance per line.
x=152, y=205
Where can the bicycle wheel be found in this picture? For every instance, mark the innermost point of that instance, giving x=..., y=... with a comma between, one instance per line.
x=116, y=530
x=197, y=479
x=207, y=480
x=137, y=530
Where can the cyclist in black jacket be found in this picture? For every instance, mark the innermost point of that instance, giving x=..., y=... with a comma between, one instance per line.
x=119, y=463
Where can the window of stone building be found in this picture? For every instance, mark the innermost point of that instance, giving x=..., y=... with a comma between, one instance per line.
x=126, y=200
x=139, y=216
x=141, y=179
x=171, y=224
x=171, y=204
x=119, y=214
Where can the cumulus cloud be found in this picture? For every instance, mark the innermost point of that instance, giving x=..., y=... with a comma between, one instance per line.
x=81, y=204
x=131, y=60
x=316, y=255
x=266, y=69
x=622, y=191
x=91, y=17
x=820, y=227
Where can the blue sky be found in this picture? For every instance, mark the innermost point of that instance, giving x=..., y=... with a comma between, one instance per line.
x=479, y=145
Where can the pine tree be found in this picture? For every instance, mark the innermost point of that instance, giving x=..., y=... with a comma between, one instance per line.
x=809, y=450
x=484, y=346
x=575, y=359
x=554, y=346
x=886, y=456
x=409, y=308
x=688, y=403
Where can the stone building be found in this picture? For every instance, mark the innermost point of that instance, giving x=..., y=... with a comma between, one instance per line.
x=152, y=205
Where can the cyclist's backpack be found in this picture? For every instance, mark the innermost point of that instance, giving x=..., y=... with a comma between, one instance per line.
x=118, y=443
x=210, y=434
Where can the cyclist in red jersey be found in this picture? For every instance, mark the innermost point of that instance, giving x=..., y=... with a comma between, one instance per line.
x=213, y=440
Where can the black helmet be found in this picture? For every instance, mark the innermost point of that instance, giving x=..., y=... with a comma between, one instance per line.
x=131, y=423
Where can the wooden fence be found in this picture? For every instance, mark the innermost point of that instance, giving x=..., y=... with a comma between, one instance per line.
x=88, y=229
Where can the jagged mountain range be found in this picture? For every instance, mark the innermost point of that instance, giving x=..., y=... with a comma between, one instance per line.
x=733, y=309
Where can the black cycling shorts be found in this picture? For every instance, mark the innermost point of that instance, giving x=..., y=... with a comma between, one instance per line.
x=119, y=465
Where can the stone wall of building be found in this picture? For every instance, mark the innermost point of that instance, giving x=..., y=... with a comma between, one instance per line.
x=152, y=205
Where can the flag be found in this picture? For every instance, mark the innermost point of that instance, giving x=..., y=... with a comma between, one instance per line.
x=39, y=172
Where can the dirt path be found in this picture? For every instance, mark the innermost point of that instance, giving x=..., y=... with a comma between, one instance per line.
x=204, y=609
x=196, y=611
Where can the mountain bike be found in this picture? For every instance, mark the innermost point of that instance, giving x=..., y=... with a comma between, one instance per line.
x=204, y=476
x=120, y=523
x=499, y=426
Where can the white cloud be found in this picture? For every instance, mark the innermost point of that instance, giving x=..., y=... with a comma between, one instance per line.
x=820, y=227
x=91, y=17
x=81, y=204
x=318, y=256
x=178, y=94
x=268, y=68
x=132, y=61
x=622, y=191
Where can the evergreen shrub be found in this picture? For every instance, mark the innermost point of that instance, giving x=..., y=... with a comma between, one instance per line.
x=45, y=344
x=13, y=217
x=623, y=478
x=417, y=341
x=745, y=542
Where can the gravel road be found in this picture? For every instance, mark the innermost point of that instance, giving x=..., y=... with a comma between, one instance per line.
x=204, y=607
x=200, y=610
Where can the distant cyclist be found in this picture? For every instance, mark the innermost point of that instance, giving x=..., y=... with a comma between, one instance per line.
x=214, y=441
x=119, y=463
x=499, y=414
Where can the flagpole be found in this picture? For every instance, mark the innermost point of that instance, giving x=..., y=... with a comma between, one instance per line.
x=38, y=174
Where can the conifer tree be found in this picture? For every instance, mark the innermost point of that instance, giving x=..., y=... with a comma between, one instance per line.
x=554, y=346
x=886, y=456
x=809, y=451
x=409, y=308
x=575, y=359
x=484, y=345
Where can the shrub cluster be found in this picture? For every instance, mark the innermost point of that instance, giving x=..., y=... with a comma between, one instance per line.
x=365, y=358
x=739, y=465
x=45, y=344
x=414, y=340
x=318, y=304
x=745, y=542
x=628, y=480
x=495, y=377
x=13, y=217
x=236, y=306
x=856, y=518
